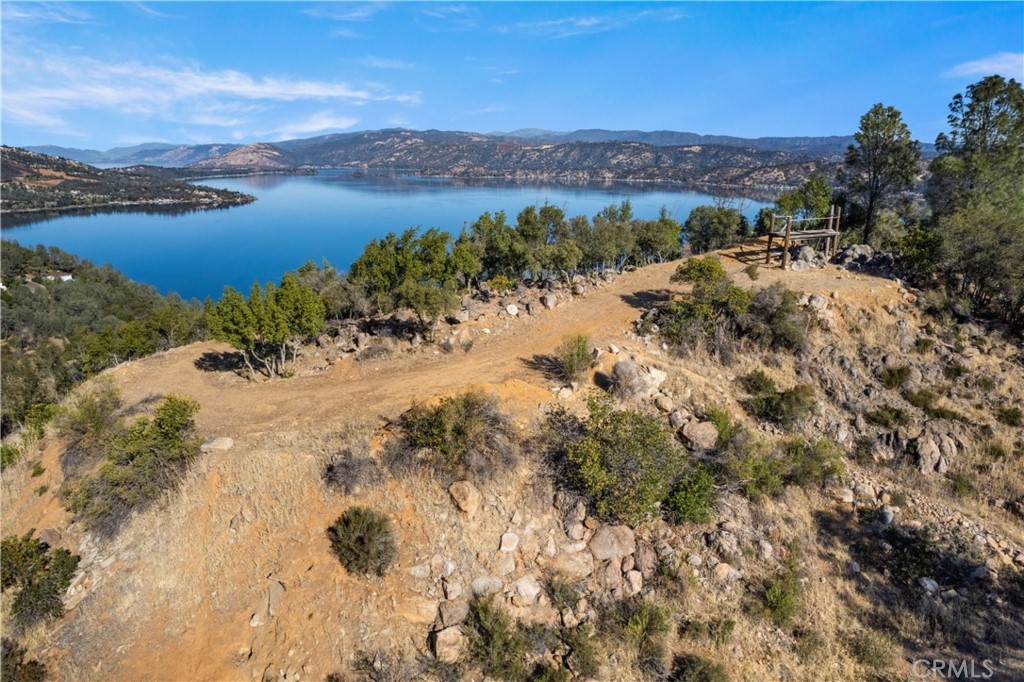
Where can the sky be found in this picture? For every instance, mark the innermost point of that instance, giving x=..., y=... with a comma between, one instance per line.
x=100, y=75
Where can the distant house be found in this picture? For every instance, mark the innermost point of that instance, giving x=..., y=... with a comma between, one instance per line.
x=57, y=276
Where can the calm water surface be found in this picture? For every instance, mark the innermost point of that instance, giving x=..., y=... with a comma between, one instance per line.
x=295, y=219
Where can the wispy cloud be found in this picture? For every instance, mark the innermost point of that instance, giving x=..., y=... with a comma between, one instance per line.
x=1007, y=64
x=42, y=91
x=146, y=9
x=567, y=27
x=489, y=109
x=344, y=32
x=381, y=63
x=346, y=11
x=460, y=17
x=45, y=12
x=317, y=123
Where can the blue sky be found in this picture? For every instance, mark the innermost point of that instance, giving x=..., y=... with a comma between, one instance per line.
x=99, y=75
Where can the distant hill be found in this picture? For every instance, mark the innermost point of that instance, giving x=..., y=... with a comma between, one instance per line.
x=35, y=183
x=152, y=154
x=259, y=156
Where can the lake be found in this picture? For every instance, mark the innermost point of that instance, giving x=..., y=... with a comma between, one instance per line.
x=331, y=215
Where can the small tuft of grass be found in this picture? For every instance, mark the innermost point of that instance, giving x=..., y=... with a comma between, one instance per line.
x=1011, y=416
x=494, y=642
x=564, y=593
x=753, y=272
x=924, y=345
x=887, y=417
x=722, y=420
x=894, y=377
x=38, y=470
x=364, y=541
x=787, y=409
x=872, y=649
x=690, y=668
x=962, y=485
x=757, y=383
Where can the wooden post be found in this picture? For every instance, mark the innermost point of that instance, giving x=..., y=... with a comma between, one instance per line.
x=838, y=233
x=768, y=252
x=828, y=242
x=785, y=244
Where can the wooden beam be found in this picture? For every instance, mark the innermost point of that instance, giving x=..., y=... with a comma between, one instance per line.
x=785, y=244
x=768, y=251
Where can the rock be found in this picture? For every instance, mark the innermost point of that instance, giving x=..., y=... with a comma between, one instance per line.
x=633, y=379
x=416, y=609
x=853, y=567
x=549, y=301
x=694, y=560
x=646, y=560
x=275, y=593
x=676, y=419
x=725, y=573
x=613, y=349
x=574, y=566
x=612, y=542
x=452, y=590
x=564, y=393
x=453, y=612
x=485, y=585
x=465, y=496
x=766, y=549
x=50, y=537
x=724, y=543
x=528, y=589
x=845, y=495
x=509, y=542
x=701, y=435
x=420, y=571
x=634, y=582
x=929, y=585
x=609, y=577
x=447, y=644
x=503, y=563
x=512, y=309
x=576, y=531
x=218, y=443
x=928, y=455
x=887, y=516
x=664, y=403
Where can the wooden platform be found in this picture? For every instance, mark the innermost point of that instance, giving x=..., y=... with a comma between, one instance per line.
x=829, y=234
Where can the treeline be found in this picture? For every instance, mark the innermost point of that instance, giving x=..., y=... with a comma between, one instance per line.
x=57, y=333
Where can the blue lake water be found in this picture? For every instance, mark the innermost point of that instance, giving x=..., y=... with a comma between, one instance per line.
x=330, y=216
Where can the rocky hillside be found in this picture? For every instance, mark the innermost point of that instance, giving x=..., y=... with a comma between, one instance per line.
x=910, y=549
x=253, y=157
x=34, y=183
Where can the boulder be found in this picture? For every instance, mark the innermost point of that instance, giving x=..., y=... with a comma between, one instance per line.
x=509, y=542
x=447, y=644
x=612, y=542
x=527, y=589
x=701, y=435
x=642, y=381
x=454, y=612
x=485, y=585
x=465, y=496
x=549, y=301
x=512, y=309
x=664, y=403
x=217, y=443
x=574, y=566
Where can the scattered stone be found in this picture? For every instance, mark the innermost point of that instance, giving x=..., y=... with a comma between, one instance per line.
x=853, y=567
x=694, y=560
x=929, y=585
x=612, y=542
x=420, y=571
x=549, y=301
x=465, y=496
x=676, y=419
x=447, y=644
x=613, y=349
x=509, y=542
x=701, y=435
x=725, y=573
x=575, y=566
x=452, y=590
x=50, y=537
x=417, y=609
x=218, y=443
x=453, y=612
x=767, y=551
x=528, y=589
x=275, y=593
x=485, y=585
x=664, y=403
x=845, y=495
x=634, y=581
x=888, y=515
x=512, y=309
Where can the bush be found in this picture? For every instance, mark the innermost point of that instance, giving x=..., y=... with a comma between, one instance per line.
x=583, y=652
x=1011, y=416
x=692, y=496
x=40, y=575
x=501, y=284
x=757, y=383
x=814, y=463
x=563, y=593
x=467, y=435
x=962, y=485
x=787, y=409
x=926, y=400
x=751, y=464
x=872, y=649
x=894, y=377
x=774, y=319
x=574, y=356
x=625, y=462
x=783, y=596
x=887, y=417
x=143, y=462
x=350, y=474
x=753, y=272
x=723, y=422
x=14, y=667
x=645, y=625
x=88, y=423
x=494, y=641
x=364, y=541
x=718, y=631
x=924, y=345
x=689, y=668
x=9, y=454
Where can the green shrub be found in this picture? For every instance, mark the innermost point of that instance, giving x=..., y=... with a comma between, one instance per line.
x=872, y=649
x=501, y=284
x=887, y=417
x=986, y=383
x=753, y=272
x=751, y=464
x=924, y=345
x=494, y=642
x=1011, y=416
x=775, y=320
x=692, y=496
x=645, y=625
x=954, y=370
x=41, y=490
x=583, y=651
x=574, y=357
x=39, y=574
x=467, y=435
x=927, y=400
x=961, y=485
x=894, y=377
x=91, y=416
x=787, y=409
x=143, y=462
x=38, y=470
x=815, y=463
x=783, y=596
x=364, y=541
x=757, y=383
x=690, y=668
x=563, y=593
x=719, y=631
x=9, y=454
x=625, y=461
x=723, y=422
x=14, y=667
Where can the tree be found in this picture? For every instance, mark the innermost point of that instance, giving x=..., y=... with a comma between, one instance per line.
x=882, y=164
x=977, y=197
x=713, y=227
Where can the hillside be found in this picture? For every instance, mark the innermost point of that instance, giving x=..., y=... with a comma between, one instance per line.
x=35, y=183
x=232, y=577
x=257, y=157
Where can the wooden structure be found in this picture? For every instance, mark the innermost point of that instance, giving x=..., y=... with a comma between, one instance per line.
x=827, y=236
